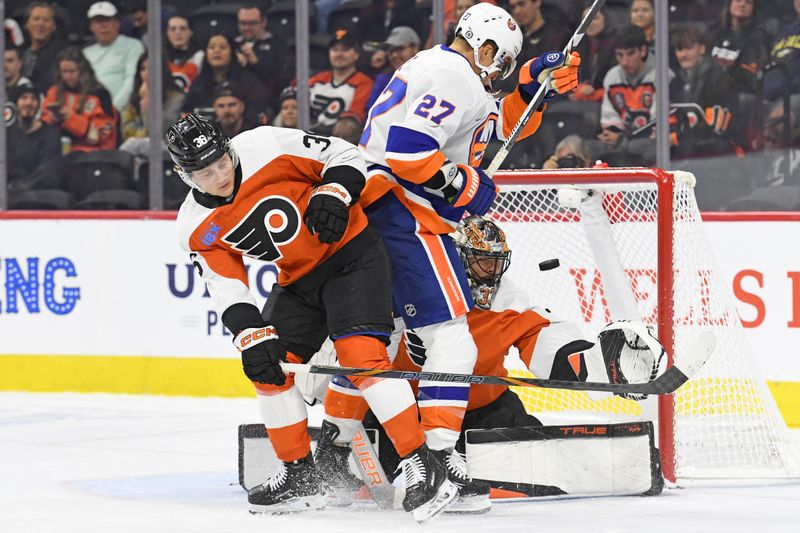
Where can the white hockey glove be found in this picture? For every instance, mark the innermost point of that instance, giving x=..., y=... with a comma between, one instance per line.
x=631, y=354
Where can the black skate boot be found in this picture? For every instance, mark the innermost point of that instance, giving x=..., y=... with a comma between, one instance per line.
x=333, y=465
x=473, y=494
x=428, y=491
x=294, y=487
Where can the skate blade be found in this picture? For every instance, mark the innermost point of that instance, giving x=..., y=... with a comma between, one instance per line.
x=295, y=505
x=448, y=492
x=479, y=504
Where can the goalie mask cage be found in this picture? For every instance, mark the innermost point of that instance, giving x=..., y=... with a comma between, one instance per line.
x=631, y=245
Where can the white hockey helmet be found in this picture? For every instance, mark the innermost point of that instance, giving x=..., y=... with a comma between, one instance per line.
x=486, y=22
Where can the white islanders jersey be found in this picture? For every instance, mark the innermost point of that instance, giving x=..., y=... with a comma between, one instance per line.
x=435, y=108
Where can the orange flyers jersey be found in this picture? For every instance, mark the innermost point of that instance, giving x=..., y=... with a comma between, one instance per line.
x=510, y=322
x=627, y=101
x=329, y=100
x=434, y=108
x=279, y=168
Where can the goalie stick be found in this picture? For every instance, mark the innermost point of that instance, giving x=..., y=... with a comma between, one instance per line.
x=675, y=376
x=543, y=88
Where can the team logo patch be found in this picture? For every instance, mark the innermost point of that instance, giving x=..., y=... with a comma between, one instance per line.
x=211, y=234
x=512, y=25
x=272, y=223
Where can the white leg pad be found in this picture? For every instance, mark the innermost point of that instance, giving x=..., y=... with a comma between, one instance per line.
x=588, y=460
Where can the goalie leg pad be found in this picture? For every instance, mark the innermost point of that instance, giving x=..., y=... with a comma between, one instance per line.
x=581, y=460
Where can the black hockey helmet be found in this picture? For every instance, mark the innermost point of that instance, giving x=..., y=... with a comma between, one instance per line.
x=486, y=256
x=194, y=142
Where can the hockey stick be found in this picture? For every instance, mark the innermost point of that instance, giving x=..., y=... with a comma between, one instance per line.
x=543, y=88
x=380, y=489
x=675, y=376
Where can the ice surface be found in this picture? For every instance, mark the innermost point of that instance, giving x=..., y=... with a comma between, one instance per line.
x=115, y=463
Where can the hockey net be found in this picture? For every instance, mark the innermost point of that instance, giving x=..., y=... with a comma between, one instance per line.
x=631, y=244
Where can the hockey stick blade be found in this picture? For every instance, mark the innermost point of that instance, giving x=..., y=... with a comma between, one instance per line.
x=667, y=383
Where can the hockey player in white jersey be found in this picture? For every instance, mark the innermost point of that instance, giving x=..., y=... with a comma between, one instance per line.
x=290, y=197
x=423, y=142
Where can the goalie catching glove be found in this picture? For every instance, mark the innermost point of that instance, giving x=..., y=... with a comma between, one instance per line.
x=631, y=354
x=262, y=352
x=328, y=212
x=464, y=186
x=562, y=69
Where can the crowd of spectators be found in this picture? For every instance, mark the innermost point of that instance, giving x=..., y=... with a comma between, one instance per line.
x=77, y=84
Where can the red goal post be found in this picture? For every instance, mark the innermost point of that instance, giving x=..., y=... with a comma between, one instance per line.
x=631, y=244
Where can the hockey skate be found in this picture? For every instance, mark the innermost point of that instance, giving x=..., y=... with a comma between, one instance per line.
x=428, y=490
x=473, y=494
x=333, y=465
x=294, y=487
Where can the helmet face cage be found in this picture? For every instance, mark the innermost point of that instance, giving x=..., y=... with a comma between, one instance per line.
x=484, y=22
x=194, y=142
x=485, y=255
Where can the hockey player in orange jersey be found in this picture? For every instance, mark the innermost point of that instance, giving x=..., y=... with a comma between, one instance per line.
x=290, y=197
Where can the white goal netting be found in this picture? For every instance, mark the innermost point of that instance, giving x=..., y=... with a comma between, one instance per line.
x=618, y=262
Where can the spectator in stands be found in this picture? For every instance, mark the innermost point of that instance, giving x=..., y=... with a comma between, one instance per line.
x=703, y=130
x=134, y=115
x=229, y=110
x=80, y=106
x=287, y=115
x=786, y=50
x=537, y=36
x=343, y=88
x=39, y=59
x=401, y=45
x=643, y=15
x=740, y=44
x=220, y=65
x=34, y=148
x=113, y=57
x=136, y=21
x=629, y=99
x=379, y=18
x=261, y=52
x=597, y=58
x=378, y=62
x=348, y=127
x=324, y=8
x=570, y=152
x=13, y=68
x=184, y=57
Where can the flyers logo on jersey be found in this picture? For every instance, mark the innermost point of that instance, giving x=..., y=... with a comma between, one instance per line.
x=272, y=222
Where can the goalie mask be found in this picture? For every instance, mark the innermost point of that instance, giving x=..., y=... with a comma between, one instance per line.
x=485, y=22
x=195, y=143
x=484, y=251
